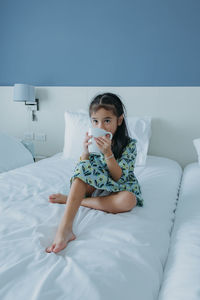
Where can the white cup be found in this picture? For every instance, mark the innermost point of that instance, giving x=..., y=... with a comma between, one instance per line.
x=96, y=132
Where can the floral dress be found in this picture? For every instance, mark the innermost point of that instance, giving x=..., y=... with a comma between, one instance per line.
x=96, y=173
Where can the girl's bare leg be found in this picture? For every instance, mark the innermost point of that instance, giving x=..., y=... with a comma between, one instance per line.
x=62, y=199
x=64, y=233
x=114, y=203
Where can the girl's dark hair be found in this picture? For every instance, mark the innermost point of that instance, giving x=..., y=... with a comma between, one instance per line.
x=113, y=103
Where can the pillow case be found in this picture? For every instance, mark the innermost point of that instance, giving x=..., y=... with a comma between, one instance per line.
x=13, y=154
x=196, y=143
x=77, y=124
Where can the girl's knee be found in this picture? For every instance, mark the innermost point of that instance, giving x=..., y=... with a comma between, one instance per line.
x=128, y=201
x=78, y=180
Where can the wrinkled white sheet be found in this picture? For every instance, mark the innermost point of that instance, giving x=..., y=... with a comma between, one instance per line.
x=182, y=273
x=115, y=256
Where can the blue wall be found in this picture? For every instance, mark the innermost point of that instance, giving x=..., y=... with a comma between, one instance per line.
x=100, y=42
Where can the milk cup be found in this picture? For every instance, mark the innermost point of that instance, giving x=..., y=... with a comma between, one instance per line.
x=96, y=132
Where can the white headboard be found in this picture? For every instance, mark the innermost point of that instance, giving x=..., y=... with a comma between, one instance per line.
x=174, y=112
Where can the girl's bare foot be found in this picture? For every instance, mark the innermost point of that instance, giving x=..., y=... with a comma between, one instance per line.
x=61, y=240
x=58, y=198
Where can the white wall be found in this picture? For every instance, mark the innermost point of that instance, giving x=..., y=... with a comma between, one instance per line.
x=175, y=113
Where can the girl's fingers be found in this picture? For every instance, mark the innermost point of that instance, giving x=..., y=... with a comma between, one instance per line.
x=87, y=134
x=105, y=138
x=100, y=143
x=88, y=138
x=101, y=140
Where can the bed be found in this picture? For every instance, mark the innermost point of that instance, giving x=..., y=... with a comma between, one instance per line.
x=115, y=256
x=181, y=279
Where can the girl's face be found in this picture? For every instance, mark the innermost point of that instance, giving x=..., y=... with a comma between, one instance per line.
x=105, y=119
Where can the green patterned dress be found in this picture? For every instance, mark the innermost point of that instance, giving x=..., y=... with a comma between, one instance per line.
x=96, y=173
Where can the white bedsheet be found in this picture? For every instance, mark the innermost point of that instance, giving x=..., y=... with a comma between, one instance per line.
x=182, y=273
x=115, y=256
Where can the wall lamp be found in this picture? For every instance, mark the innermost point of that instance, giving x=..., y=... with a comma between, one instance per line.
x=26, y=93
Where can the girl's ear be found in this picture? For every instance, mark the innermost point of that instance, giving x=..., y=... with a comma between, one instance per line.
x=120, y=120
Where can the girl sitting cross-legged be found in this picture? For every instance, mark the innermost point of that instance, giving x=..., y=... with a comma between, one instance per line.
x=105, y=182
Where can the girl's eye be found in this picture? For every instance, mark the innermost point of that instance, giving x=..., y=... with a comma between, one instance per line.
x=94, y=121
x=107, y=121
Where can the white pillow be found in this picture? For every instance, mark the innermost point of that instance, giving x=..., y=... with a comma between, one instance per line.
x=139, y=128
x=13, y=154
x=196, y=143
x=77, y=123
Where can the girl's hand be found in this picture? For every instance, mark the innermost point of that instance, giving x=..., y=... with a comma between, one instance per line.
x=104, y=144
x=86, y=143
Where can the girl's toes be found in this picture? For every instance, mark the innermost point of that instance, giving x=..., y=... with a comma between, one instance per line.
x=59, y=247
x=50, y=249
x=53, y=196
x=51, y=200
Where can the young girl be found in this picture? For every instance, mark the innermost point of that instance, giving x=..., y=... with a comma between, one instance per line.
x=107, y=180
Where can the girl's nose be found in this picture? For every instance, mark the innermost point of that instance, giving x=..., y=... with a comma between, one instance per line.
x=101, y=126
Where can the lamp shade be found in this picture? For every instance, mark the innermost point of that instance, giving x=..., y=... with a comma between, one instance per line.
x=24, y=92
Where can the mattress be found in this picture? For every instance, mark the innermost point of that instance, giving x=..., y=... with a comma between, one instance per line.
x=182, y=272
x=114, y=256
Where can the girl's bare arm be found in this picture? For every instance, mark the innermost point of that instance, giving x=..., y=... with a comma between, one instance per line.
x=114, y=168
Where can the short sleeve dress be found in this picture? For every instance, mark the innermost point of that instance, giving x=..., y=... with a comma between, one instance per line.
x=96, y=173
